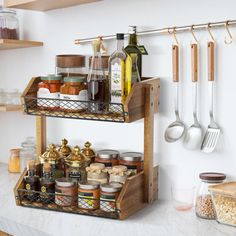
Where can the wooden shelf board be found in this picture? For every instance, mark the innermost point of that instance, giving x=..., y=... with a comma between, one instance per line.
x=6, y=44
x=8, y=108
x=44, y=5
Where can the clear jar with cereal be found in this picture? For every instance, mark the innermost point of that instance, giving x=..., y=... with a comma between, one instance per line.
x=204, y=205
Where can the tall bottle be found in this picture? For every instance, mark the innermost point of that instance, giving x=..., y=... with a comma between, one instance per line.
x=136, y=55
x=31, y=182
x=47, y=184
x=97, y=82
x=119, y=62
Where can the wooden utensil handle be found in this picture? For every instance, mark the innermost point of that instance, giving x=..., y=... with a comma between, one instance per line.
x=194, y=54
x=175, y=62
x=211, y=60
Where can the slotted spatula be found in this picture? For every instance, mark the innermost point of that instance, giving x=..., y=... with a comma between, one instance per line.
x=213, y=130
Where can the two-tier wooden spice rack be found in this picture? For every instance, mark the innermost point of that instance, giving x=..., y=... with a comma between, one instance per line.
x=142, y=102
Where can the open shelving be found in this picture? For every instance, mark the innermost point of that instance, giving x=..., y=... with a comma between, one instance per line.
x=44, y=5
x=139, y=190
x=6, y=44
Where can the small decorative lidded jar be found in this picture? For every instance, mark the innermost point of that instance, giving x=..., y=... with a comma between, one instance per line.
x=119, y=174
x=132, y=160
x=97, y=172
x=52, y=156
x=64, y=150
x=76, y=166
x=107, y=157
x=89, y=152
x=204, y=206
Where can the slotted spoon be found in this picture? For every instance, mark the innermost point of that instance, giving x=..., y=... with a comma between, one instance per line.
x=213, y=130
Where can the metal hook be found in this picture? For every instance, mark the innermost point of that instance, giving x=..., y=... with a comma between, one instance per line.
x=230, y=39
x=174, y=35
x=194, y=36
x=209, y=31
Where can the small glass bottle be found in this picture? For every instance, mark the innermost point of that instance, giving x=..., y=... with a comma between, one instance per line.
x=97, y=82
x=204, y=206
x=14, y=161
x=47, y=185
x=31, y=182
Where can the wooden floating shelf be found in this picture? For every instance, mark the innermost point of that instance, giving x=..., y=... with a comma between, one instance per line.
x=6, y=44
x=44, y=5
x=8, y=108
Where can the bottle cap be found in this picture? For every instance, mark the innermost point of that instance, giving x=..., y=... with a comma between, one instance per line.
x=120, y=36
x=47, y=167
x=31, y=165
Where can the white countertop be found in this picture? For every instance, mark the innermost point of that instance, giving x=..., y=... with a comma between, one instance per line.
x=158, y=219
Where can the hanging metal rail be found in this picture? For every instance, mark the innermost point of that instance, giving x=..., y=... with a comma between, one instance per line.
x=165, y=30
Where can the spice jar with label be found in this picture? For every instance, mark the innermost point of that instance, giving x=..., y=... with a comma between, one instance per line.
x=52, y=156
x=31, y=182
x=119, y=174
x=89, y=194
x=66, y=192
x=132, y=160
x=47, y=185
x=75, y=163
x=107, y=157
x=88, y=152
x=74, y=89
x=204, y=205
x=70, y=65
x=108, y=196
x=48, y=95
x=97, y=172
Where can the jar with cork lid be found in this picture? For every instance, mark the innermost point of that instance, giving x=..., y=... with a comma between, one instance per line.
x=204, y=205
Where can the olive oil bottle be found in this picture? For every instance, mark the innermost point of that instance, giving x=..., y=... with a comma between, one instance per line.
x=119, y=73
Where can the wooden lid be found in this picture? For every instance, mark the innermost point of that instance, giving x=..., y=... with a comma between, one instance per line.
x=228, y=188
x=212, y=176
x=105, y=60
x=70, y=61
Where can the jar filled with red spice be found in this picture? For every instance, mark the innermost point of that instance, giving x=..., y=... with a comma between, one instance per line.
x=107, y=157
x=74, y=89
x=132, y=160
x=48, y=90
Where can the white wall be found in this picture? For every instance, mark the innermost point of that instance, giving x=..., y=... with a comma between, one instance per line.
x=57, y=29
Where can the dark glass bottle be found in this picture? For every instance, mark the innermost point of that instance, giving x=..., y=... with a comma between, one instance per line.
x=136, y=55
x=47, y=185
x=31, y=182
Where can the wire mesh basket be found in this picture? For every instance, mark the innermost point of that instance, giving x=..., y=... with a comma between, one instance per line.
x=74, y=109
x=69, y=204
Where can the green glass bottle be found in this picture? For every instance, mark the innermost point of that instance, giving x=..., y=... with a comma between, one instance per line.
x=136, y=55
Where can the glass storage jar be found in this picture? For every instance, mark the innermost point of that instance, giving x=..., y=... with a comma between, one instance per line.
x=204, y=205
x=74, y=89
x=70, y=65
x=9, y=24
x=107, y=157
x=97, y=172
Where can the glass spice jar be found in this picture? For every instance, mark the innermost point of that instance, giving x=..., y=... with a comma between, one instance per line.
x=14, y=161
x=9, y=24
x=75, y=163
x=66, y=192
x=119, y=174
x=88, y=195
x=107, y=157
x=97, y=172
x=132, y=160
x=48, y=95
x=74, y=89
x=53, y=157
x=108, y=196
x=204, y=206
x=88, y=152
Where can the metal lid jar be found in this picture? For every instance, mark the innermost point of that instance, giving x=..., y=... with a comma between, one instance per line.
x=108, y=157
x=9, y=24
x=97, y=172
x=132, y=160
x=204, y=205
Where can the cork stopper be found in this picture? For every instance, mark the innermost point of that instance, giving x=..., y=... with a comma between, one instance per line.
x=31, y=165
x=47, y=167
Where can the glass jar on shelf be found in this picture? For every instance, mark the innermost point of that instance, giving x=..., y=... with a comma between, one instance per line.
x=204, y=205
x=28, y=152
x=9, y=24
